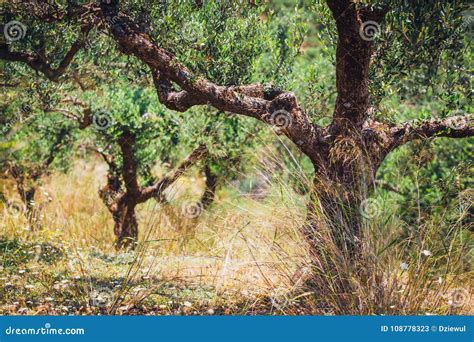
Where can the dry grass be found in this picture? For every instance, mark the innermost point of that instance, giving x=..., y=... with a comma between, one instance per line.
x=243, y=256
x=240, y=248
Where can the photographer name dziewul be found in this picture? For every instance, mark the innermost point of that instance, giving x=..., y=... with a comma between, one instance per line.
x=423, y=328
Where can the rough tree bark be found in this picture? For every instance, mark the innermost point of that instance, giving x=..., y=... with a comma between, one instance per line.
x=27, y=194
x=346, y=154
x=345, y=167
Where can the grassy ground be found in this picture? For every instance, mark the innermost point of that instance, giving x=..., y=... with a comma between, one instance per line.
x=230, y=259
x=243, y=256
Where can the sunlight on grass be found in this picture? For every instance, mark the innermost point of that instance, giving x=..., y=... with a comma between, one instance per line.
x=245, y=255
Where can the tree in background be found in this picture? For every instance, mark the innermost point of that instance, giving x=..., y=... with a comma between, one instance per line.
x=131, y=132
x=32, y=151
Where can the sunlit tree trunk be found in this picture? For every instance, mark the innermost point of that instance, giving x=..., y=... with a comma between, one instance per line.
x=30, y=209
x=27, y=192
x=337, y=206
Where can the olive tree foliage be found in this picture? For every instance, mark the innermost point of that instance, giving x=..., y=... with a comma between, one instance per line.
x=231, y=46
x=433, y=180
x=414, y=50
x=124, y=108
x=33, y=140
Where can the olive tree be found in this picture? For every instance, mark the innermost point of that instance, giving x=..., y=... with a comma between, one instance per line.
x=29, y=42
x=126, y=126
x=33, y=149
x=378, y=48
x=347, y=153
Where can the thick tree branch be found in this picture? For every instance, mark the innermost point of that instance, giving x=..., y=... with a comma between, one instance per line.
x=183, y=100
x=132, y=41
x=40, y=64
x=176, y=100
x=254, y=100
x=460, y=126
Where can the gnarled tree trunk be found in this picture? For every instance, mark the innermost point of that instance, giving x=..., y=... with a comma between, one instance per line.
x=30, y=210
x=26, y=188
x=336, y=206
